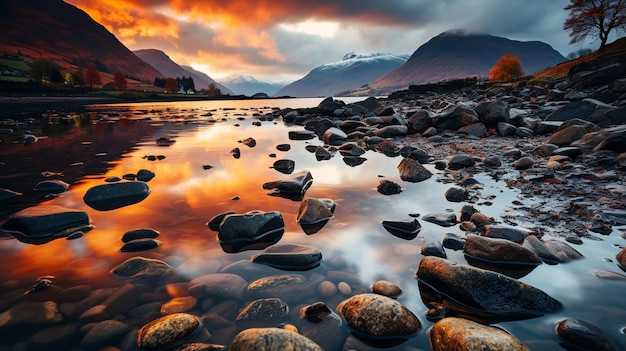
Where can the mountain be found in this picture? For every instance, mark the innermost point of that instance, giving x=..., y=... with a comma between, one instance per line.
x=455, y=54
x=248, y=85
x=171, y=69
x=353, y=71
x=55, y=30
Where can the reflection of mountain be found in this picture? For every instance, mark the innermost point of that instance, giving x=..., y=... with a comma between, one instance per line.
x=248, y=85
x=353, y=71
x=171, y=69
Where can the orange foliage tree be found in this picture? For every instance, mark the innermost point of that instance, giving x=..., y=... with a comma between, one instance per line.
x=507, y=67
x=92, y=77
x=171, y=85
x=119, y=81
x=594, y=17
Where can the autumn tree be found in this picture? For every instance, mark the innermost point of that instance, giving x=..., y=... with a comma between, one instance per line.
x=214, y=90
x=43, y=70
x=507, y=67
x=171, y=85
x=594, y=18
x=92, y=77
x=119, y=81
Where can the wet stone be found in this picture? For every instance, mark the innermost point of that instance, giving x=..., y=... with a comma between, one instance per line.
x=499, y=250
x=386, y=288
x=453, y=242
x=578, y=334
x=562, y=251
x=31, y=314
x=56, y=337
x=621, y=259
x=214, y=223
x=316, y=312
x=288, y=287
x=249, y=142
x=281, y=339
x=111, y=196
x=453, y=334
x=141, y=268
x=301, y=135
x=252, y=230
x=373, y=315
x=291, y=257
x=263, y=312
x=334, y=136
x=224, y=285
x=105, y=333
x=283, y=147
x=6, y=194
x=403, y=229
x=388, y=187
x=46, y=222
x=412, y=171
x=492, y=161
x=455, y=194
x=460, y=161
x=145, y=175
x=445, y=219
x=51, y=186
x=284, y=166
x=137, y=245
x=506, y=232
x=167, y=330
x=141, y=233
x=236, y=152
x=292, y=188
x=523, y=163
x=430, y=247
x=179, y=305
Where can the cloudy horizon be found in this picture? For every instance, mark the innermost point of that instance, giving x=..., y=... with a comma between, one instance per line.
x=282, y=40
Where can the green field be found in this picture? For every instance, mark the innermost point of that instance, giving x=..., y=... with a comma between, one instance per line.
x=15, y=64
x=14, y=79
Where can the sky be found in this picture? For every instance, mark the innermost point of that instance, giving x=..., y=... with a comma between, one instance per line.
x=282, y=40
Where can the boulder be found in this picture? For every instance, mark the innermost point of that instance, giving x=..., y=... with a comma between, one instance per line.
x=511, y=233
x=250, y=231
x=419, y=121
x=444, y=219
x=412, y=171
x=39, y=224
x=281, y=339
x=566, y=136
x=284, y=166
x=388, y=187
x=454, y=334
x=490, y=113
x=391, y=131
x=167, y=330
x=376, y=316
x=329, y=105
x=141, y=233
x=455, y=117
x=334, y=136
x=111, y=196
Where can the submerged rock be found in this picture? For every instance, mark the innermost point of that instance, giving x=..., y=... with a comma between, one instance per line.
x=581, y=335
x=373, y=315
x=108, y=332
x=40, y=224
x=288, y=287
x=252, y=230
x=486, y=293
x=111, y=196
x=454, y=334
x=223, y=285
x=167, y=330
x=51, y=186
x=271, y=339
x=290, y=257
x=141, y=268
x=263, y=312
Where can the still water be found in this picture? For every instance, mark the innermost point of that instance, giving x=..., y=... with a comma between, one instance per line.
x=114, y=140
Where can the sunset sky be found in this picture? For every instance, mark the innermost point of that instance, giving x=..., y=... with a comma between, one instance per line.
x=282, y=40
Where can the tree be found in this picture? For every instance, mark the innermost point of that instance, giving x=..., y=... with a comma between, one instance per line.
x=119, y=81
x=43, y=70
x=214, y=90
x=92, y=77
x=594, y=18
x=171, y=85
x=507, y=67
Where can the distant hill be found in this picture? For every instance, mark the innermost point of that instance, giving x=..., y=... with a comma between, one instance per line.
x=353, y=71
x=162, y=62
x=58, y=31
x=248, y=85
x=455, y=54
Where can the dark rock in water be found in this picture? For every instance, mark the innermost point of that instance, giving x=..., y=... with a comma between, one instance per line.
x=322, y=153
x=403, y=229
x=569, y=151
x=386, y=288
x=40, y=224
x=466, y=212
x=506, y=129
x=249, y=142
x=514, y=234
x=104, y=333
x=51, y=186
x=455, y=194
x=419, y=121
x=141, y=268
x=499, y=250
x=236, y=152
x=329, y=105
x=284, y=166
x=453, y=242
x=486, y=293
x=577, y=334
x=453, y=334
x=252, y=230
x=220, y=285
x=567, y=136
x=412, y=171
x=301, y=135
x=214, y=223
x=167, y=330
x=165, y=141
x=391, y=131
x=476, y=130
x=315, y=312
x=445, y=219
x=142, y=233
x=460, y=161
x=313, y=214
x=334, y=136
x=288, y=287
x=281, y=339
x=420, y=155
x=354, y=161
x=492, y=161
x=140, y=245
x=430, y=247
x=111, y=196
x=263, y=312
x=283, y=147
x=75, y=235
x=621, y=259
x=373, y=315
x=562, y=251
x=145, y=175
x=289, y=257
x=388, y=187
x=6, y=194
x=30, y=315
x=292, y=188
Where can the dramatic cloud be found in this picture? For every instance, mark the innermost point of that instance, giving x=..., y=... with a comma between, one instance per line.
x=285, y=39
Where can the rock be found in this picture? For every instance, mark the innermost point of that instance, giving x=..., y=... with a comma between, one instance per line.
x=621, y=259
x=252, y=230
x=538, y=247
x=236, y=152
x=43, y=223
x=283, y=147
x=492, y=161
x=544, y=150
x=145, y=175
x=111, y=196
x=105, y=333
x=293, y=188
x=412, y=171
x=166, y=331
x=179, y=305
x=514, y=234
x=51, y=186
x=453, y=242
x=6, y=194
x=329, y=105
x=499, y=250
x=142, y=233
x=431, y=247
x=407, y=230
x=486, y=292
x=281, y=339
x=455, y=117
x=567, y=136
x=492, y=113
x=418, y=154
x=391, y=131
x=562, y=251
x=446, y=219
x=214, y=223
x=354, y=161
x=584, y=109
x=334, y=136
x=288, y=287
x=56, y=338
x=385, y=288
x=313, y=214
x=506, y=129
x=351, y=149
x=388, y=187
x=30, y=314
x=141, y=268
x=476, y=130
x=419, y=121
x=301, y=135
x=453, y=334
x=263, y=312
x=249, y=142
x=456, y=194
x=291, y=257
x=140, y=245
x=523, y=163
x=222, y=285
x=581, y=335
x=460, y=161
x=378, y=316
x=602, y=76
x=284, y=166
x=613, y=138
x=322, y=154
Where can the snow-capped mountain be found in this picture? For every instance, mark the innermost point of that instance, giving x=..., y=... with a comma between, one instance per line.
x=353, y=71
x=248, y=85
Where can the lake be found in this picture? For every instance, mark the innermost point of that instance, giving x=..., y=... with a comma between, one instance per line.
x=197, y=178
